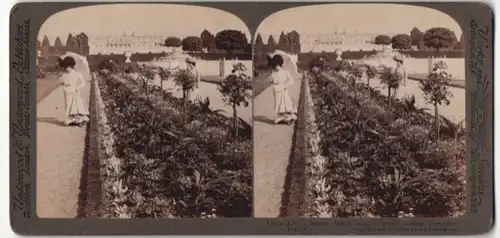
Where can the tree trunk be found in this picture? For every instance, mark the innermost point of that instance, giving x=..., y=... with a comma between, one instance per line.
x=389, y=96
x=355, y=90
x=184, y=101
x=235, y=121
x=436, y=120
x=369, y=89
x=162, y=91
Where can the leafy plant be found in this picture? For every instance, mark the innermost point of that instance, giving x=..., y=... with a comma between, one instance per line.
x=391, y=80
x=184, y=79
x=401, y=41
x=371, y=73
x=173, y=42
x=192, y=44
x=436, y=91
x=230, y=40
x=439, y=38
x=376, y=167
x=235, y=91
x=172, y=165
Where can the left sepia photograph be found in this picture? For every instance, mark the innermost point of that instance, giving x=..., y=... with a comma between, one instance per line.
x=144, y=111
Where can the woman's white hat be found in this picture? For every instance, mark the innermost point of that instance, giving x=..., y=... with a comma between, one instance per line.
x=190, y=59
x=398, y=58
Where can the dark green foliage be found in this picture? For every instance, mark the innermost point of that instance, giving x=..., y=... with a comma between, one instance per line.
x=381, y=165
x=190, y=163
x=439, y=38
x=231, y=40
x=401, y=41
x=192, y=44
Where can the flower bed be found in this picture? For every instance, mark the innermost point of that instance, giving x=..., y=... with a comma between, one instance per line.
x=168, y=165
x=372, y=161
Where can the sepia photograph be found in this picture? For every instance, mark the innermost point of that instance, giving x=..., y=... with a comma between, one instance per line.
x=368, y=118
x=144, y=111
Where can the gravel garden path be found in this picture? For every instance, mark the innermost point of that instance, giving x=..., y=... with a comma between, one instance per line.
x=210, y=90
x=272, y=147
x=59, y=158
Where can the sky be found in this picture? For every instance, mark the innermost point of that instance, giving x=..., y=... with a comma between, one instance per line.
x=365, y=18
x=151, y=19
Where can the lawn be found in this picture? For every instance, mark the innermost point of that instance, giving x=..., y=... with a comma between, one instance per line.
x=454, y=82
x=45, y=86
x=260, y=83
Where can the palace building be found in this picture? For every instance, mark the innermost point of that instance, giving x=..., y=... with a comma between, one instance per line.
x=128, y=42
x=329, y=42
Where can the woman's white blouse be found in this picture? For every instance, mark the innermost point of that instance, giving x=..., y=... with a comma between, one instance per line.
x=280, y=79
x=71, y=81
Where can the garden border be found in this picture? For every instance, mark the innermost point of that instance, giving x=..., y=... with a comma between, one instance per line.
x=292, y=199
x=93, y=187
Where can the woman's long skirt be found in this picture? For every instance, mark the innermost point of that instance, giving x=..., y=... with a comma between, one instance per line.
x=283, y=106
x=76, y=108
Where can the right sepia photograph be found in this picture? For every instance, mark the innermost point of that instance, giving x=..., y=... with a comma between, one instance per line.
x=359, y=111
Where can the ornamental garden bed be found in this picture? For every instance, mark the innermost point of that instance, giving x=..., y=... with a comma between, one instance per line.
x=365, y=159
x=161, y=160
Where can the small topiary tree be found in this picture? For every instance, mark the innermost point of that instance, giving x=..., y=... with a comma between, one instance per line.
x=371, y=73
x=401, y=42
x=436, y=91
x=355, y=74
x=342, y=69
x=164, y=74
x=439, y=38
x=192, y=44
x=235, y=91
x=383, y=40
x=146, y=74
x=391, y=80
x=173, y=42
x=186, y=81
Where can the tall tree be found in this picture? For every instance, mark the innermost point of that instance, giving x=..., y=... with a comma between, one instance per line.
x=173, y=42
x=231, y=40
x=45, y=47
x=192, y=44
x=45, y=41
x=416, y=36
x=270, y=41
x=282, y=40
x=383, y=40
x=207, y=39
x=294, y=39
x=70, y=42
x=439, y=38
x=258, y=40
x=58, y=46
x=82, y=43
x=401, y=42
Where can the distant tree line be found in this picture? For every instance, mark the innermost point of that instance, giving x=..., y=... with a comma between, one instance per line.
x=436, y=38
x=289, y=42
x=230, y=41
x=78, y=44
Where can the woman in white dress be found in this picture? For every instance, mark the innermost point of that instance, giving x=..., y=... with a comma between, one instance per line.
x=281, y=80
x=76, y=111
x=194, y=93
x=400, y=72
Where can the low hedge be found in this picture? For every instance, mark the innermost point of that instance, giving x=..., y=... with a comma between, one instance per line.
x=171, y=166
x=380, y=162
